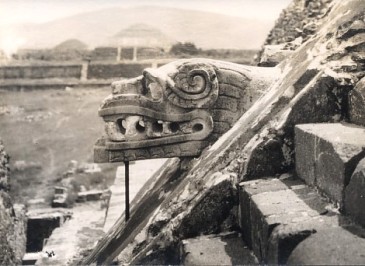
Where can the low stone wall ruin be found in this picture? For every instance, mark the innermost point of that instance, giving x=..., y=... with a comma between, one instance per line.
x=40, y=72
x=104, y=71
x=29, y=77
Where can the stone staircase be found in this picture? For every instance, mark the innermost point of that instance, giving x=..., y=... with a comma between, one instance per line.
x=222, y=249
x=312, y=216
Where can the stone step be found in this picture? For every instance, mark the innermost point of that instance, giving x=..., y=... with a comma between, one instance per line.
x=354, y=201
x=221, y=249
x=278, y=214
x=326, y=156
x=333, y=246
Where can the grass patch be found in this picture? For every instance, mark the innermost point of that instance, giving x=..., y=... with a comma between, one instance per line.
x=53, y=128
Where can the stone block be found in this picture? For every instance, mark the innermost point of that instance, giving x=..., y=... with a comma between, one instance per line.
x=271, y=209
x=327, y=154
x=276, y=214
x=273, y=55
x=357, y=103
x=246, y=191
x=333, y=246
x=311, y=198
x=285, y=237
x=212, y=211
x=283, y=241
x=355, y=194
x=222, y=249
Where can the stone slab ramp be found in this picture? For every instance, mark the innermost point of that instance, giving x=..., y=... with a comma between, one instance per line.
x=140, y=172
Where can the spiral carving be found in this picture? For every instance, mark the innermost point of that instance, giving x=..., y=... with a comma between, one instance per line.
x=195, y=86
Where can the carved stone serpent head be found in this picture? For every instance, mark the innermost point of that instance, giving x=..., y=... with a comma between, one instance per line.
x=176, y=110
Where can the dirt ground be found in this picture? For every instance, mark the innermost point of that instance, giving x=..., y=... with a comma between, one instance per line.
x=43, y=131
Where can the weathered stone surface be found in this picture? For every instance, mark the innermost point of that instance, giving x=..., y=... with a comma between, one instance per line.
x=208, y=216
x=266, y=204
x=333, y=246
x=296, y=24
x=273, y=151
x=273, y=55
x=216, y=197
x=12, y=219
x=191, y=148
x=327, y=154
x=355, y=194
x=357, y=103
x=324, y=96
x=222, y=249
x=277, y=214
x=18, y=237
x=4, y=168
x=181, y=107
x=300, y=19
x=247, y=190
x=285, y=237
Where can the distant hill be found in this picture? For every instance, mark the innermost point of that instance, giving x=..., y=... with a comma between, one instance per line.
x=71, y=44
x=206, y=30
x=141, y=35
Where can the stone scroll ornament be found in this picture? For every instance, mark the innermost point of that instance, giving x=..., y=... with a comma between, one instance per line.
x=176, y=110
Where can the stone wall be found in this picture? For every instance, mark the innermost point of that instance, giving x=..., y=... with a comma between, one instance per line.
x=12, y=219
x=40, y=72
x=55, y=76
x=302, y=18
x=104, y=53
x=103, y=71
x=296, y=24
x=148, y=53
x=127, y=53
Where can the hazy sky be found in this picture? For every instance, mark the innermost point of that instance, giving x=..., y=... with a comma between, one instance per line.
x=38, y=11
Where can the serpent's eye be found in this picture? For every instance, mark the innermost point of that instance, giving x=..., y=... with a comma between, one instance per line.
x=144, y=83
x=156, y=90
x=151, y=86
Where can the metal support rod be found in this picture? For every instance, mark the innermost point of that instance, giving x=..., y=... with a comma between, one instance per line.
x=126, y=169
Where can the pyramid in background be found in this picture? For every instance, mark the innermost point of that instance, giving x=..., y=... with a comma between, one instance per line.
x=71, y=44
x=141, y=35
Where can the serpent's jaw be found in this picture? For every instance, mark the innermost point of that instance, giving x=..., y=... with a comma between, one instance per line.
x=141, y=128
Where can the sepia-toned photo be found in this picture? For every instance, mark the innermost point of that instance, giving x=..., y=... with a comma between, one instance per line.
x=197, y=132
